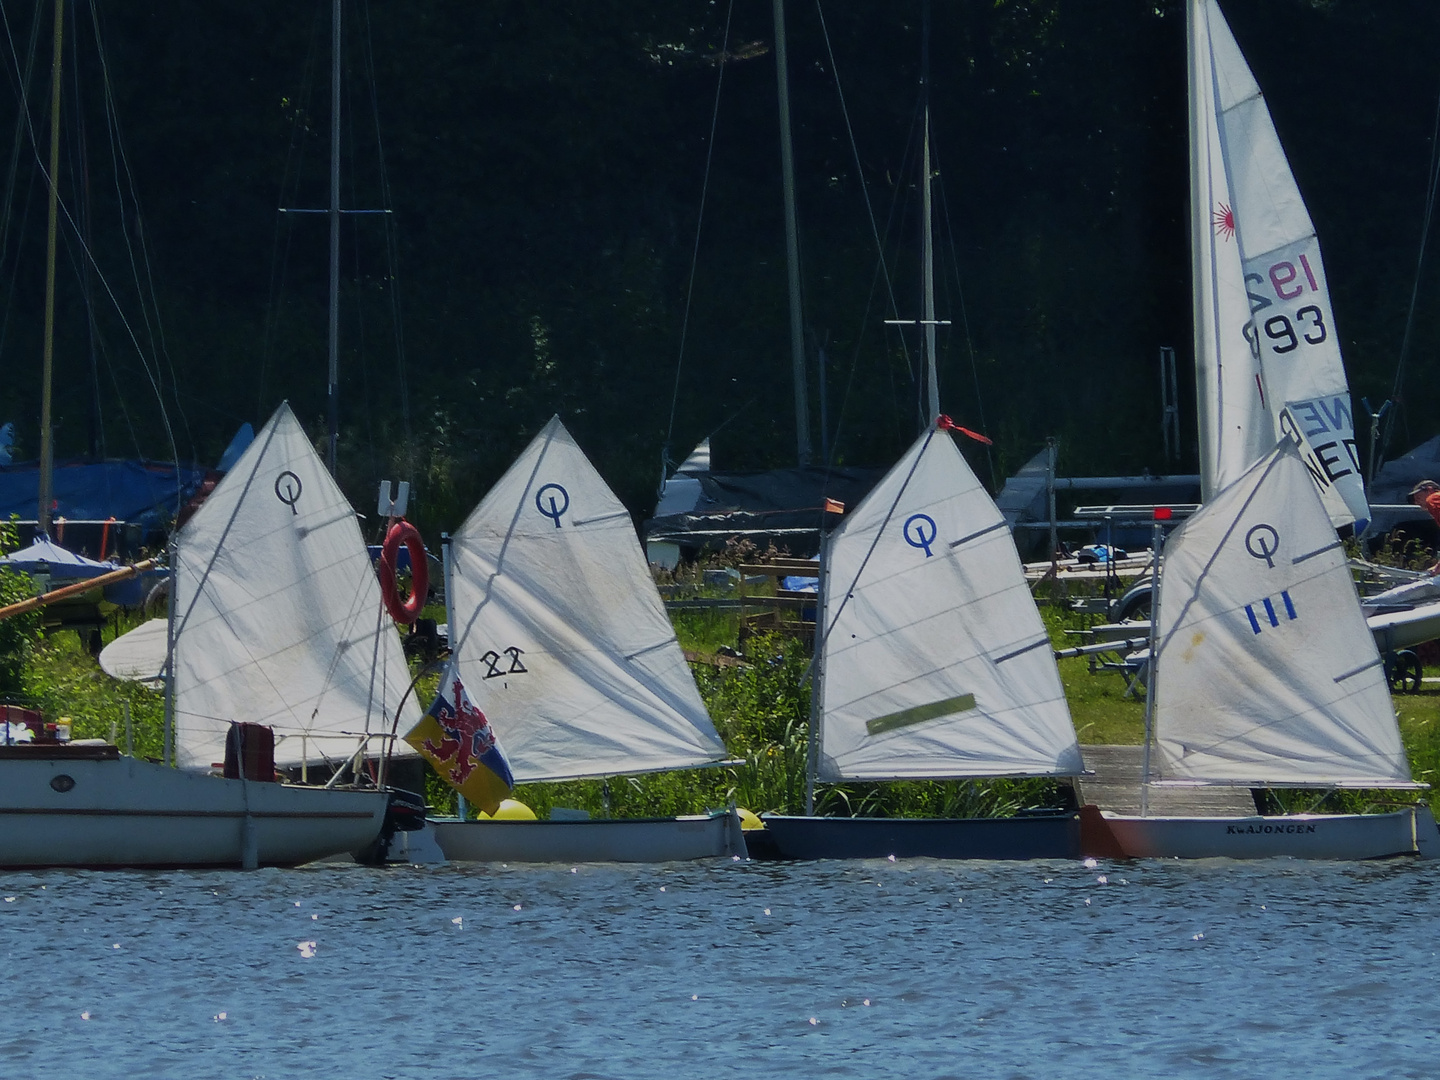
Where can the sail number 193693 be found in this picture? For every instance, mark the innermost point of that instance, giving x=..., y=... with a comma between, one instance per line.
x=1285, y=332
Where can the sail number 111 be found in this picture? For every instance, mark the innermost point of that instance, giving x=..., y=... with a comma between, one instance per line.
x=1285, y=279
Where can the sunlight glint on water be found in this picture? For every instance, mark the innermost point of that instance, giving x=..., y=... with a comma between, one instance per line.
x=872, y=969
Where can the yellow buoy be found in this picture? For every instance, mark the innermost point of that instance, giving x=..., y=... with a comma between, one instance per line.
x=748, y=820
x=514, y=810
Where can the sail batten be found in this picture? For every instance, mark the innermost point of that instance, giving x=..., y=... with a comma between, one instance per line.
x=279, y=620
x=1267, y=671
x=930, y=658
x=561, y=635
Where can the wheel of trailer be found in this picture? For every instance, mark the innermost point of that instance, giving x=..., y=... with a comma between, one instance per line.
x=1404, y=671
x=1134, y=605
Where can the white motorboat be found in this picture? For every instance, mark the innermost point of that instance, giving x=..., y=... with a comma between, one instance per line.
x=276, y=623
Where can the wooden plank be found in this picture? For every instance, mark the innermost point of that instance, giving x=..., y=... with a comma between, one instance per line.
x=718, y=660
x=784, y=568
x=801, y=600
x=1115, y=786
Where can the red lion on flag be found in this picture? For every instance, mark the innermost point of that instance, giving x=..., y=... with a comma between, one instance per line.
x=468, y=735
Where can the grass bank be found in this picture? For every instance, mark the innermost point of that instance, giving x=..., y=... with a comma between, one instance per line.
x=760, y=707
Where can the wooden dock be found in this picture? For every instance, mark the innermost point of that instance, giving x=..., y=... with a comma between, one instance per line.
x=1115, y=786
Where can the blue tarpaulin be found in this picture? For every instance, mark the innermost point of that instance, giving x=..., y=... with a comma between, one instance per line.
x=124, y=490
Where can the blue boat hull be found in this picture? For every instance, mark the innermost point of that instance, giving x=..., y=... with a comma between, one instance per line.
x=1039, y=836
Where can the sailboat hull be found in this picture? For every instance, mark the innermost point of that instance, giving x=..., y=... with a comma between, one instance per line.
x=1406, y=628
x=1296, y=836
x=88, y=806
x=642, y=840
x=1046, y=836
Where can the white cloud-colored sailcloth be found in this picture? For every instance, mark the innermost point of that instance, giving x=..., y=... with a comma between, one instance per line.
x=561, y=635
x=1267, y=351
x=935, y=662
x=1267, y=672
x=278, y=618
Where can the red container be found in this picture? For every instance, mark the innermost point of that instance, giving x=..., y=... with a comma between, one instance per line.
x=250, y=752
x=31, y=718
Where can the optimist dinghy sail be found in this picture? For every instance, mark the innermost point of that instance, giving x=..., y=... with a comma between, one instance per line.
x=933, y=664
x=560, y=634
x=1267, y=355
x=934, y=661
x=278, y=619
x=1267, y=672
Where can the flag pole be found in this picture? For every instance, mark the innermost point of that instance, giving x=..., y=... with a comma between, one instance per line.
x=462, y=811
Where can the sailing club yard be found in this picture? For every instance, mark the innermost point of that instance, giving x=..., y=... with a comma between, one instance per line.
x=752, y=675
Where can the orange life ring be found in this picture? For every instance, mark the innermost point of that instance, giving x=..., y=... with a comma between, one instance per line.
x=408, y=610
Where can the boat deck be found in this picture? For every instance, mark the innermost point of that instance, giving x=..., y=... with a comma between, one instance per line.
x=1115, y=786
x=59, y=751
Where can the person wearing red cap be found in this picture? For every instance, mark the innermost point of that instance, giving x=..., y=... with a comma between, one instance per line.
x=1426, y=495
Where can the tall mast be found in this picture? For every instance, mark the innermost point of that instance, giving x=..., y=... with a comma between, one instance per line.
x=792, y=242
x=932, y=382
x=333, y=402
x=47, y=449
x=1206, y=434
x=926, y=215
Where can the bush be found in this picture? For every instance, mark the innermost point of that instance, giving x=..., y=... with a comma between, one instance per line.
x=19, y=634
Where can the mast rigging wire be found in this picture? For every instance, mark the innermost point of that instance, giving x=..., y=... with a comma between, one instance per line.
x=882, y=269
x=965, y=326
x=699, y=224
x=288, y=196
x=1430, y=192
x=154, y=376
x=144, y=282
x=392, y=246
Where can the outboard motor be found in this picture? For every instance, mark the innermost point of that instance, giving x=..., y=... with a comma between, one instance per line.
x=404, y=813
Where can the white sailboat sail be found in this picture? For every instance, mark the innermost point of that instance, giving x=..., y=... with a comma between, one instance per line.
x=934, y=660
x=1267, y=353
x=562, y=638
x=1267, y=673
x=278, y=618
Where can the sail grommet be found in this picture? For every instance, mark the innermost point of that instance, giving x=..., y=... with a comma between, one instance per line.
x=407, y=610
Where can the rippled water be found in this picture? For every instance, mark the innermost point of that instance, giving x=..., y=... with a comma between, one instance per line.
x=876, y=969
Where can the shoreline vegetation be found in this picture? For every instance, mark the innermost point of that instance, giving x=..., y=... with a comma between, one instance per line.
x=752, y=676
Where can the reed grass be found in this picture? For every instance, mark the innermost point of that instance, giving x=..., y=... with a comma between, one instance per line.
x=760, y=707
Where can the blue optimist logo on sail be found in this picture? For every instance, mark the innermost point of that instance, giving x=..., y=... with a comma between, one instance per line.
x=457, y=739
x=1267, y=612
x=920, y=532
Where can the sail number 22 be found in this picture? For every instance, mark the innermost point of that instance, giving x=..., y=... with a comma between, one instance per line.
x=1308, y=323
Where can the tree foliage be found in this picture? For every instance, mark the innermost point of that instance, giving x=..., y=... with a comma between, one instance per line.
x=545, y=163
x=19, y=634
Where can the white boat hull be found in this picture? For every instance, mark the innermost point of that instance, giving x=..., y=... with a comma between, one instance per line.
x=1407, y=628
x=1397, y=629
x=92, y=807
x=1296, y=836
x=641, y=840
